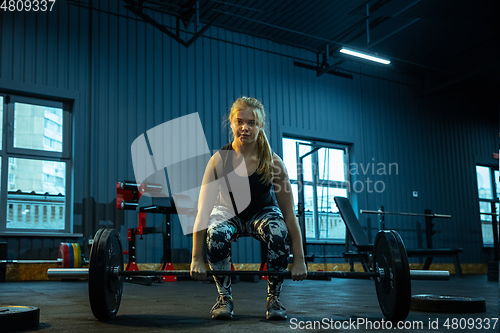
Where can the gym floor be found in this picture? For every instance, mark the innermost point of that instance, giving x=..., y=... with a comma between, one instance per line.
x=185, y=306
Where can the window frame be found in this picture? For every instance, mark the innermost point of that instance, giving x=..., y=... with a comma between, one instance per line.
x=316, y=183
x=66, y=142
x=492, y=203
x=7, y=150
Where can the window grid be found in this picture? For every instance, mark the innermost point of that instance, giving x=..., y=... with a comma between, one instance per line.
x=323, y=178
x=37, y=159
x=488, y=193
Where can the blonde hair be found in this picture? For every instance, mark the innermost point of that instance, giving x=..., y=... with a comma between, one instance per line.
x=265, y=153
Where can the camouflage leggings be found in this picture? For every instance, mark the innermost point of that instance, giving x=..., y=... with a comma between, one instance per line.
x=268, y=226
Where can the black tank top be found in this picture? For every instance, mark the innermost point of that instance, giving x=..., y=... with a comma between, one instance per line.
x=260, y=193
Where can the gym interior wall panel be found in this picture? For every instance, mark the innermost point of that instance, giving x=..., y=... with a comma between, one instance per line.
x=434, y=155
x=33, y=248
x=36, y=49
x=79, y=78
x=49, y=55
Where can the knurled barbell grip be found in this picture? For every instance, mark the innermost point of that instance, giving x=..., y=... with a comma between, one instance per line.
x=80, y=273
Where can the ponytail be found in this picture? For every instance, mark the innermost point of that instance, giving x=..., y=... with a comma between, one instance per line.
x=265, y=157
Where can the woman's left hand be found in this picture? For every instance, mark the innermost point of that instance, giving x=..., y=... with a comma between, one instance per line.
x=299, y=270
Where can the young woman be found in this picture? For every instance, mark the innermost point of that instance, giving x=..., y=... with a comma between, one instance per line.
x=270, y=220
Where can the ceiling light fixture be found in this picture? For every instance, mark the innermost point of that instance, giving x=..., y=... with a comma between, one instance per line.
x=365, y=56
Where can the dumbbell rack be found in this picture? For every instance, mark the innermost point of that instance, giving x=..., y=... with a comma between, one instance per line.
x=130, y=196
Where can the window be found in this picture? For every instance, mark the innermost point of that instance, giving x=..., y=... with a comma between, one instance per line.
x=35, y=165
x=321, y=168
x=488, y=187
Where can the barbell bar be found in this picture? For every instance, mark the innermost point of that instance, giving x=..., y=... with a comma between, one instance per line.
x=381, y=212
x=23, y=261
x=69, y=256
x=83, y=273
x=68, y=273
x=133, y=186
x=59, y=261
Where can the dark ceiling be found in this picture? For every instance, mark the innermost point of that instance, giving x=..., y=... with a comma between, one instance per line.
x=448, y=44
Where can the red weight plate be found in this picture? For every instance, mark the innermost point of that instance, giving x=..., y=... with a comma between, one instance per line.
x=64, y=254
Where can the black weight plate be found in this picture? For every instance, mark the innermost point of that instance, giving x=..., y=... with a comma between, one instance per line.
x=105, y=291
x=15, y=317
x=393, y=290
x=95, y=302
x=448, y=304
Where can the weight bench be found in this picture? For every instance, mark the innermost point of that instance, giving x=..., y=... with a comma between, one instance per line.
x=365, y=249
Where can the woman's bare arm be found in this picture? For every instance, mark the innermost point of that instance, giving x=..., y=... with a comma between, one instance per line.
x=283, y=192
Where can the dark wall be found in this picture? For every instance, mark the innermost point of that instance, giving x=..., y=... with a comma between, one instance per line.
x=125, y=77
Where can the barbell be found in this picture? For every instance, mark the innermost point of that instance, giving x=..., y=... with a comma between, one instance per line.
x=390, y=272
x=381, y=212
x=69, y=256
x=83, y=273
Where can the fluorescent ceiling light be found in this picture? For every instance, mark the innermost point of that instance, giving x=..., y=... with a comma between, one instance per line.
x=365, y=56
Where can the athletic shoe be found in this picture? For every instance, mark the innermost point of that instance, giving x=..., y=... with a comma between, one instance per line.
x=223, y=309
x=275, y=310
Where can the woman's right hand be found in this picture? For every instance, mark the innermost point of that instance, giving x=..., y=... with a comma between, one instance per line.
x=198, y=270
